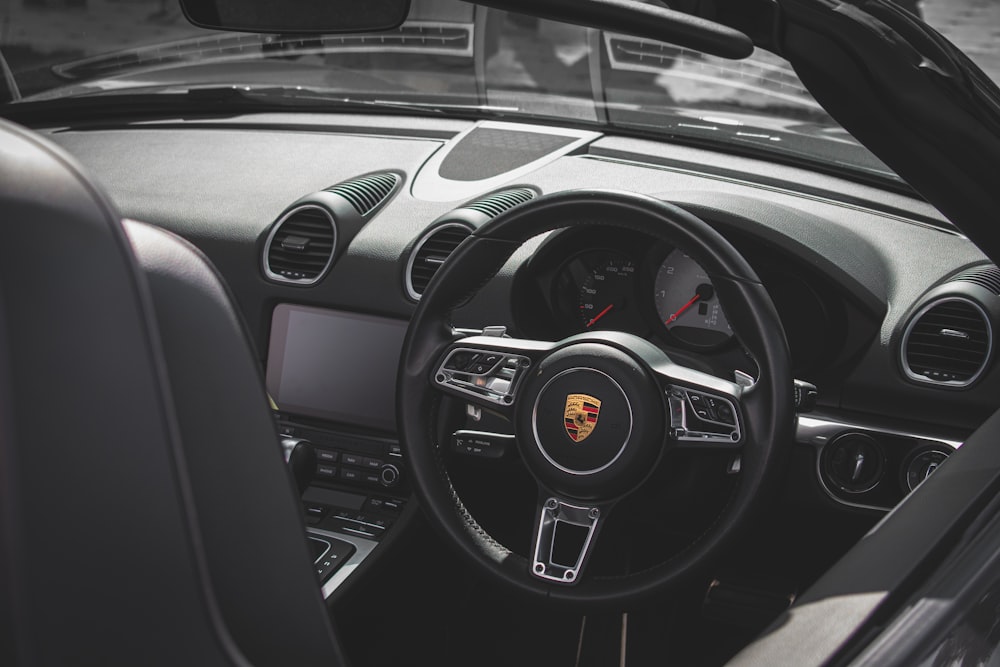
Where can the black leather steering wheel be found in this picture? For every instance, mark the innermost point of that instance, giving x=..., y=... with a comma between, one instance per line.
x=592, y=414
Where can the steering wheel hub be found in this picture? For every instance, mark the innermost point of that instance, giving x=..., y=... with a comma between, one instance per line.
x=582, y=421
x=593, y=421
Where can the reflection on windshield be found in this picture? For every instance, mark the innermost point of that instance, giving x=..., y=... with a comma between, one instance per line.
x=454, y=54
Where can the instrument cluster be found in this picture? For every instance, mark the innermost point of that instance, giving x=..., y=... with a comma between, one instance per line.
x=671, y=296
x=614, y=279
x=621, y=282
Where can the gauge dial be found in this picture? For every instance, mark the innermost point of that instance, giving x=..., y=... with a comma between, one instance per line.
x=606, y=292
x=687, y=303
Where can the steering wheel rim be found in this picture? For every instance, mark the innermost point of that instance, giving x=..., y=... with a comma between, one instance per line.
x=765, y=411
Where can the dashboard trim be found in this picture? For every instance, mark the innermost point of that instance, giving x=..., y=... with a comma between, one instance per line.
x=815, y=432
x=363, y=549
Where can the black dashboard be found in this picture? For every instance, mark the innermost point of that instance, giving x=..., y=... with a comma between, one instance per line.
x=859, y=277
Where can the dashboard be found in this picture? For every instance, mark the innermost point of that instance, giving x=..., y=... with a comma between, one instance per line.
x=328, y=228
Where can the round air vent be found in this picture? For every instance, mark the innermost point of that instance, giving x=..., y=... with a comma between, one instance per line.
x=299, y=249
x=430, y=253
x=948, y=343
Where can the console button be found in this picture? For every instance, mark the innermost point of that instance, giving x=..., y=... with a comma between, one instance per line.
x=314, y=513
x=371, y=478
x=351, y=459
x=459, y=360
x=392, y=504
x=315, y=510
x=481, y=444
x=725, y=414
x=325, y=471
x=326, y=456
x=358, y=529
x=371, y=463
x=349, y=475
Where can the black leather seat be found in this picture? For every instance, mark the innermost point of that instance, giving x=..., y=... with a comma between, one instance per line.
x=146, y=515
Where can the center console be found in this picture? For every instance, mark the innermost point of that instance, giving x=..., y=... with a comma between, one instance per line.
x=332, y=376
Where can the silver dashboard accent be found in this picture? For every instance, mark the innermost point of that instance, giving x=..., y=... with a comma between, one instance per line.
x=288, y=444
x=302, y=282
x=744, y=380
x=680, y=404
x=817, y=432
x=553, y=513
x=814, y=430
x=951, y=333
x=411, y=291
x=363, y=548
x=494, y=381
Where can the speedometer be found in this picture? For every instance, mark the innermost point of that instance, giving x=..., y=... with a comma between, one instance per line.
x=599, y=289
x=687, y=304
x=607, y=292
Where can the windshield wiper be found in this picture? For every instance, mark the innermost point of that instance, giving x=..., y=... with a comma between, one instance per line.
x=168, y=100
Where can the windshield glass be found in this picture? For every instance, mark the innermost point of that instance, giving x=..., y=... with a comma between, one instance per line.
x=454, y=57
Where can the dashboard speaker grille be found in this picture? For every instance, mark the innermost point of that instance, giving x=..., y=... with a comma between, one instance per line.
x=299, y=249
x=499, y=202
x=947, y=343
x=366, y=193
x=430, y=253
x=987, y=276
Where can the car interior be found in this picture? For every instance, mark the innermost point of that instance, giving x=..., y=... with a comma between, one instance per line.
x=393, y=388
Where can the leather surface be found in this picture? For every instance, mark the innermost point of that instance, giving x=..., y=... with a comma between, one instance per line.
x=100, y=541
x=110, y=535
x=253, y=534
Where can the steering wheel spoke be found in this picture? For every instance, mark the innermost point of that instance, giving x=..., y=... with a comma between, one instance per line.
x=565, y=535
x=487, y=371
x=704, y=411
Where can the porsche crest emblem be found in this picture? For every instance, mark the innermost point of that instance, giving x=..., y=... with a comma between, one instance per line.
x=581, y=416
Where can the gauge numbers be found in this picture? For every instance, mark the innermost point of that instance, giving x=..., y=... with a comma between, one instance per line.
x=687, y=304
x=606, y=291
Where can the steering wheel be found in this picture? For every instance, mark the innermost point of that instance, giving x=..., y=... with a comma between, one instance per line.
x=592, y=414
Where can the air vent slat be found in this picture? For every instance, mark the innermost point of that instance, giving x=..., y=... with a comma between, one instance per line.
x=947, y=343
x=311, y=235
x=430, y=253
x=366, y=193
x=499, y=202
x=987, y=277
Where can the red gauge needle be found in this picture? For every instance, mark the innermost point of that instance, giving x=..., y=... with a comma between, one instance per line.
x=670, y=320
x=600, y=315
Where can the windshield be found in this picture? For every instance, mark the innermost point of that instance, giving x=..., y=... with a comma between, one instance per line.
x=457, y=58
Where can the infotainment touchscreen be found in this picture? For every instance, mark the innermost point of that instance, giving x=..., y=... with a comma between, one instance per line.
x=335, y=365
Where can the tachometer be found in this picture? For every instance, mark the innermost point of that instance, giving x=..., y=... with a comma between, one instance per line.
x=687, y=304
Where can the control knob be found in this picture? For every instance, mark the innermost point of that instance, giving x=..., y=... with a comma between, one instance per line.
x=389, y=475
